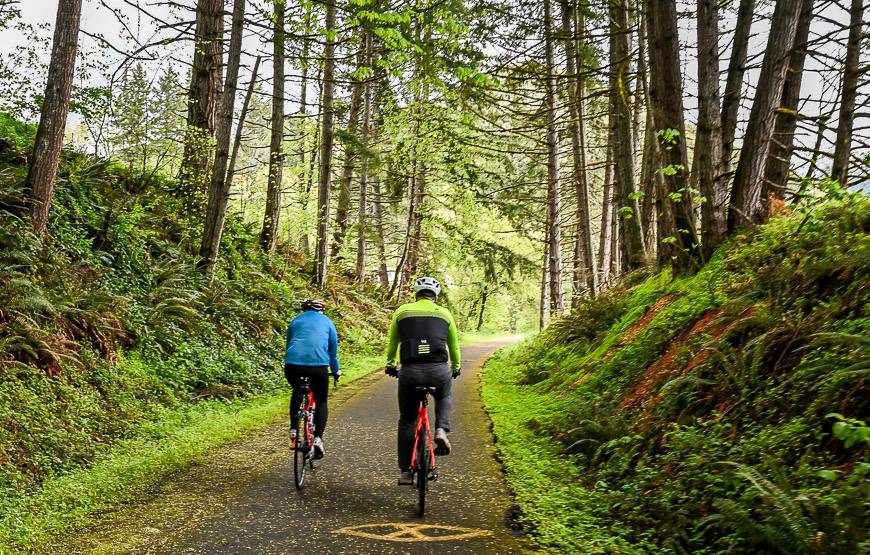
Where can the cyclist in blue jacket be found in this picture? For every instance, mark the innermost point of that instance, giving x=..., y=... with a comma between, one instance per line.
x=312, y=352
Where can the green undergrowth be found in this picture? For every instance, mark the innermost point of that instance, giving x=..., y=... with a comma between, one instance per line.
x=552, y=502
x=159, y=447
x=724, y=411
x=109, y=328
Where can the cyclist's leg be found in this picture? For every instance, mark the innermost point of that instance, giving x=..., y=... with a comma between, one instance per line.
x=293, y=375
x=320, y=387
x=442, y=380
x=408, y=407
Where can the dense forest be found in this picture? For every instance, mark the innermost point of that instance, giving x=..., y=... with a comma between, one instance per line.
x=672, y=191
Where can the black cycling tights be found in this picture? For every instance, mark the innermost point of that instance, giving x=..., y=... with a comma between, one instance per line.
x=318, y=377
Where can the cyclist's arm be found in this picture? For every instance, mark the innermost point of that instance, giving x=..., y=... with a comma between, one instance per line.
x=333, y=350
x=393, y=341
x=289, y=335
x=453, y=345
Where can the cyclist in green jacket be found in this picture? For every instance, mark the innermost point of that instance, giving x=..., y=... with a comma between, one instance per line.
x=426, y=338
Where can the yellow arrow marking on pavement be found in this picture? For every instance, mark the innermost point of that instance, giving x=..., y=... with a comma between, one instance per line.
x=404, y=532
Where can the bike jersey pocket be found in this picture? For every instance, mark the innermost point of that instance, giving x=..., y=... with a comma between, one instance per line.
x=423, y=351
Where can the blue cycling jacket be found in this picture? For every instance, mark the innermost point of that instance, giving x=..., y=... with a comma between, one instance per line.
x=312, y=341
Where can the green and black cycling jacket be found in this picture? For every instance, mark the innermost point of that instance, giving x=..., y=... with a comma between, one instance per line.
x=426, y=334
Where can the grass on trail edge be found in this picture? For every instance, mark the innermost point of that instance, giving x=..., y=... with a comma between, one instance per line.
x=130, y=468
x=559, y=514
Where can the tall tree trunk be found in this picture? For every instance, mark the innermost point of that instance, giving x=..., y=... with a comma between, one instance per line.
x=542, y=313
x=205, y=84
x=605, y=243
x=401, y=275
x=374, y=138
x=650, y=180
x=734, y=79
x=708, y=142
x=416, y=190
x=313, y=159
x=554, y=212
x=383, y=272
x=628, y=209
x=218, y=192
x=584, y=268
x=305, y=178
x=676, y=231
x=364, y=169
x=42, y=173
x=615, y=226
x=483, y=298
x=778, y=164
x=326, y=139
x=415, y=235
x=650, y=157
x=851, y=76
x=272, y=217
x=237, y=141
x=747, y=203
x=350, y=155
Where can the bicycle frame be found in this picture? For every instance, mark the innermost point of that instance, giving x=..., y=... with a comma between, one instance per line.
x=423, y=420
x=308, y=408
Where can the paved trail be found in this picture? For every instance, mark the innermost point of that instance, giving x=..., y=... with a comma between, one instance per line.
x=242, y=499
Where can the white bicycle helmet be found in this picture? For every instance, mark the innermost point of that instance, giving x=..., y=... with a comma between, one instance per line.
x=427, y=284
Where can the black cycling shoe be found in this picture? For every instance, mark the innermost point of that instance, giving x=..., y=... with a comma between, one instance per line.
x=318, y=449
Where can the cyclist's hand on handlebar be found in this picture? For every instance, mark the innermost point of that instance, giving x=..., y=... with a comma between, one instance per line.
x=456, y=373
x=335, y=378
x=391, y=371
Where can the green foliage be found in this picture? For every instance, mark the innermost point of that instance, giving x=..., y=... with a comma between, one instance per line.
x=111, y=325
x=720, y=412
x=18, y=133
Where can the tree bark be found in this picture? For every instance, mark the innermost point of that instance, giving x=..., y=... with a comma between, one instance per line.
x=42, y=173
x=734, y=80
x=326, y=142
x=554, y=212
x=218, y=192
x=483, y=300
x=542, y=313
x=383, y=272
x=851, y=77
x=584, y=268
x=237, y=141
x=205, y=84
x=628, y=208
x=747, y=203
x=272, y=217
x=364, y=169
x=776, y=171
x=676, y=231
x=605, y=252
x=708, y=142
x=301, y=151
x=350, y=156
x=650, y=156
x=650, y=180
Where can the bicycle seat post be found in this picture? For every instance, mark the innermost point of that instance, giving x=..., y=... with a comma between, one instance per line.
x=305, y=383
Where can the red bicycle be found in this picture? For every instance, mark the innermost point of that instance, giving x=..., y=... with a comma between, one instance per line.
x=302, y=443
x=423, y=467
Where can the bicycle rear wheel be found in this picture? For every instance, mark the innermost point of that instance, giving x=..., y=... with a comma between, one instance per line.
x=301, y=451
x=422, y=472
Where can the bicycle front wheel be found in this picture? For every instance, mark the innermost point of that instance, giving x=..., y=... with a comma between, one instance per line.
x=422, y=474
x=301, y=451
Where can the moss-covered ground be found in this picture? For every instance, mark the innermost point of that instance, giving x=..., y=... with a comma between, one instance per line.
x=723, y=411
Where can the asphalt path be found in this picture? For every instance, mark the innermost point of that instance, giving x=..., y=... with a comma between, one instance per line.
x=242, y=499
